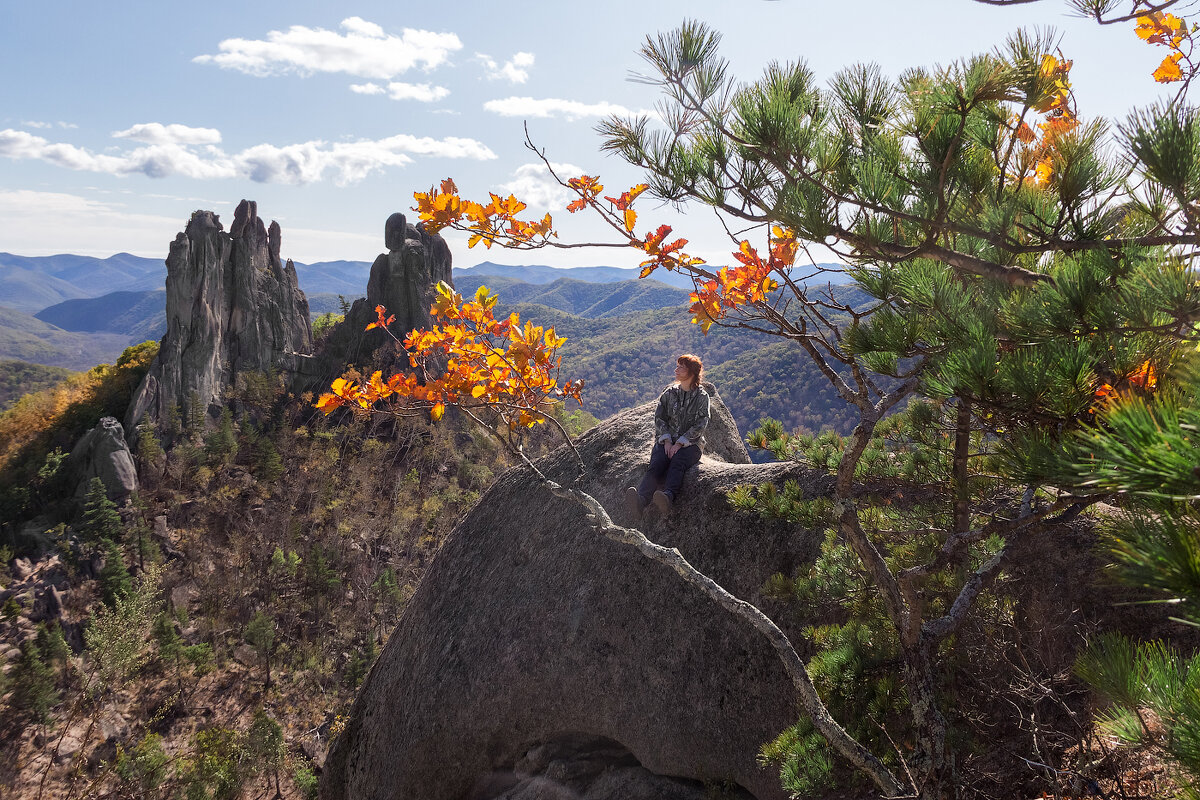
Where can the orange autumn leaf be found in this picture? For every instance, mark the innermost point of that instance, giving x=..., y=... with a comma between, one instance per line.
x=1161, y=28
x=1169, y=70
x=471, y=360
x=630, y=218
x=1144, y=377
x=626, y=199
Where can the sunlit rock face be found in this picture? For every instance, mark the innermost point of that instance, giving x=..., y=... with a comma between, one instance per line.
x=402, y=280
x=533, y=641
x=232, y=308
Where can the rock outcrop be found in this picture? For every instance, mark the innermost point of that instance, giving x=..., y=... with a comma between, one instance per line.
x=103, y=453
x=402, y=280
x=530, y=629
x=232, y=308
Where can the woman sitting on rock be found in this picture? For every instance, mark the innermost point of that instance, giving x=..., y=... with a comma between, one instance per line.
x=679, y=423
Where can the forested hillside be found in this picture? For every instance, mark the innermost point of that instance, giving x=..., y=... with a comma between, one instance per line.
x=18, y=378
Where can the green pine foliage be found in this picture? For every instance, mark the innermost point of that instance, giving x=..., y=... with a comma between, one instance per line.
x=197, y=414
x=114, y=578
x=260, y=634
x=360, y=663
x=100, y=522
x=221, y=446
x=52, y=645
x=33, y=683
x=1146, y=447
x=268, y=466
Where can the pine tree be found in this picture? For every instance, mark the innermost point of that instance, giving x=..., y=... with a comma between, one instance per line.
x=1017, y=275
x=220, y=446
x=33, y=683
x=115, y=582
x=260, y=634
x=52, y=645
x=265, y=743
x=197, y=414
x=100, y=523
x=268, y=466
x=150, y=452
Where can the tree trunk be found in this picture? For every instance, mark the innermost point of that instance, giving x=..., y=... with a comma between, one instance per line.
x=962, y=449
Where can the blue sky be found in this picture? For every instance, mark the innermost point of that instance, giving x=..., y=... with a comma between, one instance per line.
x=118, y=120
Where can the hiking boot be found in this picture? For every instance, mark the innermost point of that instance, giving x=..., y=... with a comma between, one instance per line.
x=633, y=502
x=662, y=501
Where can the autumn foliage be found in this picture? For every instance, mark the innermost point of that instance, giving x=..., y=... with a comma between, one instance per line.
x=496, y=364
x=716, y=292
x=1167, y=30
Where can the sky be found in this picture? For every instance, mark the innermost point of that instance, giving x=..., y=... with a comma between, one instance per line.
x=118, y=120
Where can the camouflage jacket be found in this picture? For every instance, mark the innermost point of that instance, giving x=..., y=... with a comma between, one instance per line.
x=682, y=416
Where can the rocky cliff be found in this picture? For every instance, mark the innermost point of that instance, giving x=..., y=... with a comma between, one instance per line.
x=232, y=308
x=402, y=281
x=531, y=634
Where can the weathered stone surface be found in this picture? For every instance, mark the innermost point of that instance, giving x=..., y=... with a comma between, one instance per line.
x=576, y=767
x=402, y=280
x=529, y=626
x=103, y=453
x=232, y=308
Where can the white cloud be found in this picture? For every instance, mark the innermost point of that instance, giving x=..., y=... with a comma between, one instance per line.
x=157, y=133
x=553, y=106
x=304, y=162
x=47, y=223
x=515, y=70
x=403, y=91
x=533, y=184
x=361, y=27
x=365, y=50
x=32, y=123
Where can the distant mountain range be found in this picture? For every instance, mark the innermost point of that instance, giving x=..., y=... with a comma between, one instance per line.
x=33, y=283
x=622, y=332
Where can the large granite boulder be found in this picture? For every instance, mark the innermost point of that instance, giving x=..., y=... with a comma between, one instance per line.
x=103, y=453
x=530, y=631
x=402, y=280
x=232, y=308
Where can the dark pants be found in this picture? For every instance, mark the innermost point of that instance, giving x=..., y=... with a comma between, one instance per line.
x=667, y=471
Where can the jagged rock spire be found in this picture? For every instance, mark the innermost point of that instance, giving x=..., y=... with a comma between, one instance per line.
x=231, y=308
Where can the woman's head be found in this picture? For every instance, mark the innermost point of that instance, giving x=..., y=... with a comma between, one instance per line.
x=692, y=371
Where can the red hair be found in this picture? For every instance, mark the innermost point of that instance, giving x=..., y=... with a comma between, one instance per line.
x=694, y=366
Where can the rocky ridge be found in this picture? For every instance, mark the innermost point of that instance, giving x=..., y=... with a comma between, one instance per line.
x=232, y=309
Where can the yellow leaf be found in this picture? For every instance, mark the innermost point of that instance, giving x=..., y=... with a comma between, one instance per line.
x=1045, y=171
x=437, y=411
x=1168, y=71
x=630, y=219
x=477, y=390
